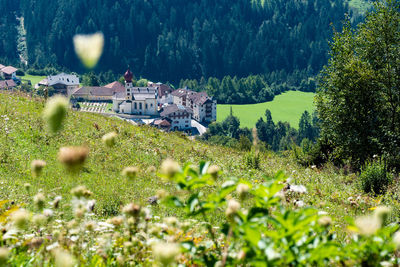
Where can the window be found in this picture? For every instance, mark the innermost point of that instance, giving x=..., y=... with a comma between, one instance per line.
x=135, y=105
x=151, y=105
x=146, y=106
x=140, y=105
x=187, y=126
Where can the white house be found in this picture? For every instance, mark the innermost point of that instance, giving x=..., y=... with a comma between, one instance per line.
x=179, y=116
x=204, y=107
x=136, y=100
x=62, y=83
x=163, y=93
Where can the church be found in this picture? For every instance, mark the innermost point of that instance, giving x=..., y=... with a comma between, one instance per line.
x=136, y=100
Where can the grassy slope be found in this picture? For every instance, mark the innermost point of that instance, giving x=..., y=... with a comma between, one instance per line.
x=142, y=147
x=285, y=107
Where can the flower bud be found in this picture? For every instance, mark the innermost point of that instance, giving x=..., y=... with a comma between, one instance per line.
x=39, y=200
x=131, y=210
x=382, y=213
x=55, y=112
x=165, y=253
x=81, y=192
x=325, y=221
x=20, y=218
x=242, y=190
x=233, y=208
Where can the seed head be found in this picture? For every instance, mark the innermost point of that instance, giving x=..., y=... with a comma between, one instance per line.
x=55, y=111
x=165, y=253
x=214, y=171
x=116, y=221
x=130, y=172
x=233, y=208
x=39, y=219
x=81, y=192
x=39, y=200
x=242, y=190
x=89, y=48
x=37, y=167
x=63, y=258
x=396, y=239
x=20, y=218
x=73, y=157
x=131, y=210
x=27, y=187
x=169, y=168
x=4, y=252
x=110, y=139
x=382, y=213
x=368, y=225
x=161, y=194
x=325, y=221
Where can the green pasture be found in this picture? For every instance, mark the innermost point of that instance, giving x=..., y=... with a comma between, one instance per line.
x=33, y=78
x=285, y=107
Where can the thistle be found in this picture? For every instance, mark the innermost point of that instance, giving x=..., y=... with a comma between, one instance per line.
x=130, y=172
x=165, y=253
x=110, y=139
x=169, y=168
x=73, y=157
x=37, y=167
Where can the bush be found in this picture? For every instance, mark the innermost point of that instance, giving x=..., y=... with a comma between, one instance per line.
x=20, y=72
x=374, y=177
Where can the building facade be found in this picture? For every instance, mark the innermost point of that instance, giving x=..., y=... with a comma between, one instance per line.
x=136, y=100
x=62, y=83
x=204, y=107
x=179, y=116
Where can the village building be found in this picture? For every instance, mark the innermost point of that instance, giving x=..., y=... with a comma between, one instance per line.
x=7, y=84
x=204, y=107
x=179, y=116
x=8, y=73
x=136, y=100
x=163, y=93
x=62, y=83
x=162, y=124
x=98, y=93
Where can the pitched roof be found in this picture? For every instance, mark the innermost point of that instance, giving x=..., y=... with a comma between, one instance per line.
x=7, y=84
x=179, y=92
x=199, y=98
x=9, y=70
x=93, y=91
x=117, y=86
x=168, y=110
x=163, y=123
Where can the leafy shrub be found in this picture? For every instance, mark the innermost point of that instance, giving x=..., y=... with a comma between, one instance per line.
x=374, y=177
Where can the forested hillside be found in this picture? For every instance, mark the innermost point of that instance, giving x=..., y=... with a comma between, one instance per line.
x=173, y=39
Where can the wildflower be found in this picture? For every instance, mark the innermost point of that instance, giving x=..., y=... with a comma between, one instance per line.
x=299, y=203
x=73, y=157
x=63, y=258
x=382, y=213
x=281, y=195
x=20, y=218
x=81, y=191
x=36, y=242
x=89, y=48
x=298, y=189
x=233, y=208
x=90, y=226
x=165, y=253
x=214, y=171
x=241, y=255
x=4, y=252
x=242, y=190
x=39, y=200
x=130, y=172
x=368, y=225
x=173, y=221
x=396, y=239
x=110, y=139
x=132, y=210
x=48, y=213
x=90, y=205
x=79, y=213
x=325, y=221
x=37, y=167
x=169, y=168
x=55, y=111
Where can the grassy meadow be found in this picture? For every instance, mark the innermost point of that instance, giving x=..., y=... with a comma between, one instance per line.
x=33, y=78
x=285, y=107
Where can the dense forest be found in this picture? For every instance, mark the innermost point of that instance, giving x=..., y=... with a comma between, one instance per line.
x=283, y=41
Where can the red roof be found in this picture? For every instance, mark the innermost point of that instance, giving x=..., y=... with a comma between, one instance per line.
x=128, y=76
x=7, y=84
x=9, y=70
x=116, y=86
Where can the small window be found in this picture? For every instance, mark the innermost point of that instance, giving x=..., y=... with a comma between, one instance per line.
x=146, y=106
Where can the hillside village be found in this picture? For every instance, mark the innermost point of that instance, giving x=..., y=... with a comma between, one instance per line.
x=157, y=104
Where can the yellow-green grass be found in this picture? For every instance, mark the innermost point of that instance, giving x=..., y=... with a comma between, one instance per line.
x=33, y=78
x=285, y=107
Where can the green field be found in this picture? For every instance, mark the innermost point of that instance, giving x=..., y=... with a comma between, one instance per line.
x=33, y=78
x=285, y=107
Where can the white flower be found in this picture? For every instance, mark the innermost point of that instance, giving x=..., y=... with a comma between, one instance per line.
x=242, y=190
x=89, y=48
x=299, y=203
x=233, y=207
x=298, y=189
x=368, y=225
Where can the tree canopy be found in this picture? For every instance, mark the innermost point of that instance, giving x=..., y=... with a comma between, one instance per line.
x=358, y=99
